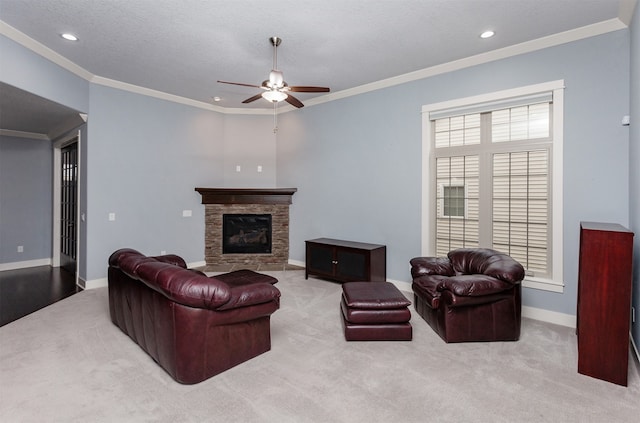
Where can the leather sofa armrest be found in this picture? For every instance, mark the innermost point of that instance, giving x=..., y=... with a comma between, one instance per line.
x=473, y=285
x=171, y=259
x=247, y=295
x=425, y=266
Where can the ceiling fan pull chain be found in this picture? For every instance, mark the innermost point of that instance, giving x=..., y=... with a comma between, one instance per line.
x=275, y=117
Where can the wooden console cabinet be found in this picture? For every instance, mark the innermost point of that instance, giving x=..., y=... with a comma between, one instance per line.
x=604, y=301
x=346, y=261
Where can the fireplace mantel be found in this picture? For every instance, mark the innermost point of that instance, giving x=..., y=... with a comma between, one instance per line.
x=246, y=195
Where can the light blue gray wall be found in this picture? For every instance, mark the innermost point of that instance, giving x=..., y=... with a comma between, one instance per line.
x=357, y=161
x=145, y=157
x=634, y=167
x=25, y=199
x=249, y=142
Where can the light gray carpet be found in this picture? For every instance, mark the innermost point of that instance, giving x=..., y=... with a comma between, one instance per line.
x=69, y=363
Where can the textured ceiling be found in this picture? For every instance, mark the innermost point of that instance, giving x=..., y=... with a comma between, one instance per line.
x=183, y=47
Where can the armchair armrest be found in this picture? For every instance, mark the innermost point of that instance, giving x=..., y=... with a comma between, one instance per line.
x=425, y=266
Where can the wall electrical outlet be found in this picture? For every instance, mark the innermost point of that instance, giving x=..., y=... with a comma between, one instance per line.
x=186, y=213
x=238, y=168
x=112, y=217
x=259, y=168
x=20, y=249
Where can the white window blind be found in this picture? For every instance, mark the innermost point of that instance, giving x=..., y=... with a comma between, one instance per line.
x=453, y=231
x=520, y=207
x=506, y=150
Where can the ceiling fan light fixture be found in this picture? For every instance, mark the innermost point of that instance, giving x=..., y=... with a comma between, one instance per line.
x=274, y=96
x=276, y=79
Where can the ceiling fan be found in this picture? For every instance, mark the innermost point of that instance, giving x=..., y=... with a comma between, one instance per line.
x=275, y=88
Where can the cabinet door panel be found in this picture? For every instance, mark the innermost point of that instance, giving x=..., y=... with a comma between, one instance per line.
x=351, y=265
x=321, y=259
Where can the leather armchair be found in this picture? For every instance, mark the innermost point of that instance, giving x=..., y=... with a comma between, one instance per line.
x=474, y=294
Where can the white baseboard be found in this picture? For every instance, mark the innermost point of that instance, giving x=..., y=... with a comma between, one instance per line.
x=549, y=316
x=297, y=263
x=402, y=285
x=94, y=283
x=25, y=264
x=196, y=264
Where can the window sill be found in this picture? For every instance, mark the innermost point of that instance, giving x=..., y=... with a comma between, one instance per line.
x=543, y=284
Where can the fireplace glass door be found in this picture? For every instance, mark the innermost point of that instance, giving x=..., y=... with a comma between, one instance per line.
x=246, y=234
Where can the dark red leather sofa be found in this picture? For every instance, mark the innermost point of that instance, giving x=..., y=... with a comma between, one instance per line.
x=192, y=325
x=473, y=294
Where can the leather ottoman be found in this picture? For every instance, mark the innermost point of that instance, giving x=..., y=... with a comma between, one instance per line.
x=375, y=311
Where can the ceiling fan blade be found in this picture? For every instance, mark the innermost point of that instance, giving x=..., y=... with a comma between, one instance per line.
x=294, y=101
x=241, y=84
x=302, y=89
x=254, y=98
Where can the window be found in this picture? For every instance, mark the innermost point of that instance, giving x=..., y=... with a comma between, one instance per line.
x=453, y=201
x=491, y=181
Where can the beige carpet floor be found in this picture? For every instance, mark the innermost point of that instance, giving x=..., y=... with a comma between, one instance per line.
x=69, y=363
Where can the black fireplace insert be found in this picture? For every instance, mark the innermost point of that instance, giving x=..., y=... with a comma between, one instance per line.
x=246, y=234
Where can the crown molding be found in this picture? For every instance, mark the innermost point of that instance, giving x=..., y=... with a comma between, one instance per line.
x=112, y=83
x=40, y=49
x=490, y=56
x=615, y=24
x=20, y=134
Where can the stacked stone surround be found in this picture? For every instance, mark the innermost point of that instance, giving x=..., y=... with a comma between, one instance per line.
x=279, y=234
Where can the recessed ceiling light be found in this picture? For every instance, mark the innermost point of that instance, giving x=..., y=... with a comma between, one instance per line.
x=69, y=37
x=487, y=34
x=216, y=99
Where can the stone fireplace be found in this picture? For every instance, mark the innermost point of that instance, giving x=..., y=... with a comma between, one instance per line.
x=250, y=210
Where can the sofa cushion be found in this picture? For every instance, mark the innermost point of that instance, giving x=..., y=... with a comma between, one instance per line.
x=373, y=296
x=473, y=285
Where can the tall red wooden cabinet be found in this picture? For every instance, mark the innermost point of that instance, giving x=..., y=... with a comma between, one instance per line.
x=604, y=301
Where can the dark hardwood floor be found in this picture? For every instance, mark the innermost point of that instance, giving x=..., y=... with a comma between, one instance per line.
x=24, y=291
